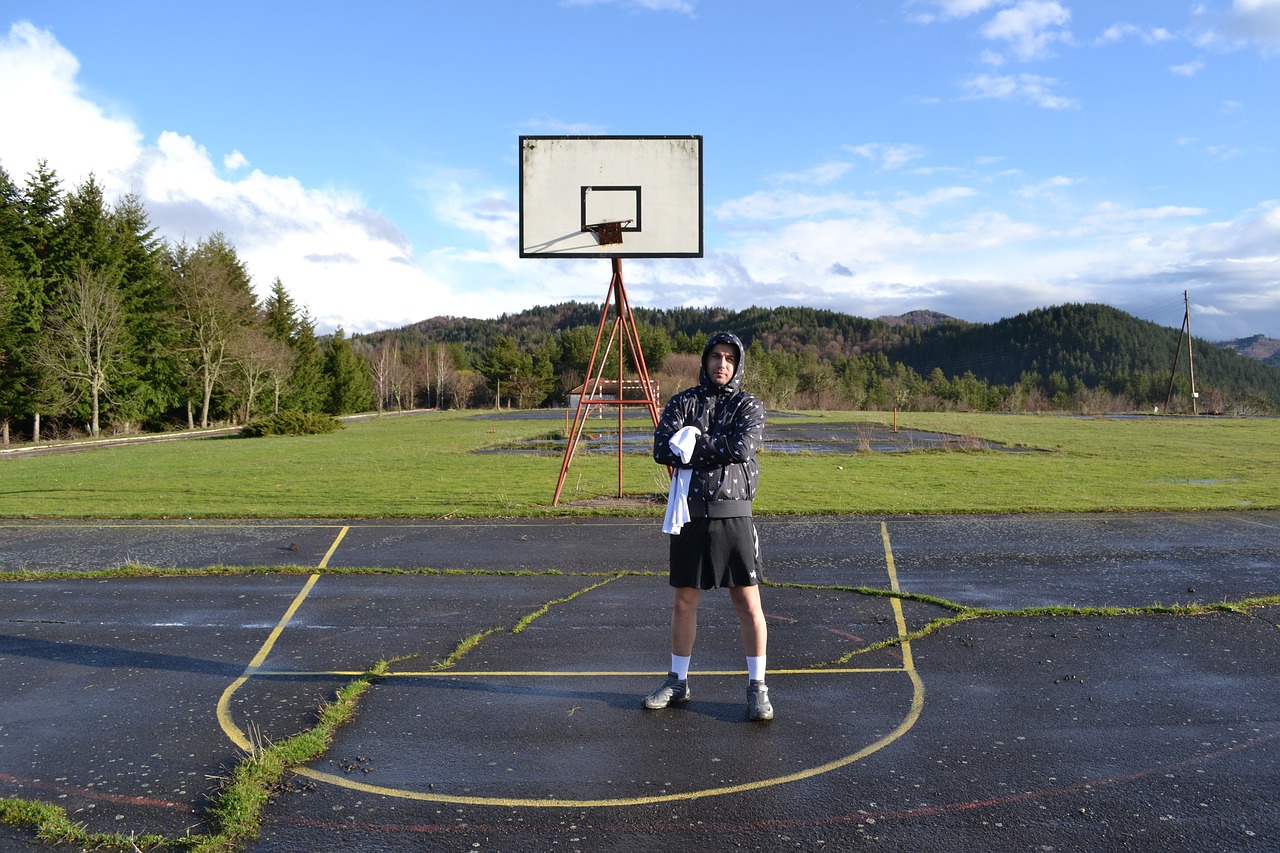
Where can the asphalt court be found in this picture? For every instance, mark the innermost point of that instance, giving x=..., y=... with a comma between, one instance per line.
x=124, y=696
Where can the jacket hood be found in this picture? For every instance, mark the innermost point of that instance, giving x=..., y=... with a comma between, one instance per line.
x=735, y=384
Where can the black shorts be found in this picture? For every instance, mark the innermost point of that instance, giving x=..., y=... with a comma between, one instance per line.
x=710, y=552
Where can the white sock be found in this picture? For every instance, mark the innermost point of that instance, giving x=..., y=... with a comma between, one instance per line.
x=755, y=668
x=680, y=666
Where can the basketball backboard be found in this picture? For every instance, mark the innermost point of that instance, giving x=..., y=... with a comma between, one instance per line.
x=645, y=190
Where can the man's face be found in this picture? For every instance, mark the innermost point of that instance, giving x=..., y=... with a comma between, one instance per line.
x=721, y=363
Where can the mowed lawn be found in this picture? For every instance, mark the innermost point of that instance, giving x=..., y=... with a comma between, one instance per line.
x=432, y=465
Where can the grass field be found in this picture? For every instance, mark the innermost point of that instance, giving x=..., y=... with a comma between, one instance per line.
x=424, y=465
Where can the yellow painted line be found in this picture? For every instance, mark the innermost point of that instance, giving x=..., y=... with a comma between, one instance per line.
x=917, y=705
x=897, y=602
x=516, y=673
x=908, y=667
x=342, y=534
x=224, y=702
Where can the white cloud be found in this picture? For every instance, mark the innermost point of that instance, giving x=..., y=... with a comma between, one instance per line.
x=684, y=7
x=918, y=205
x=1255, y=21
x=1031, y=27
x=763, y=206
x=888, y=156
x=544, y=126
x=1114, y=219
x=1223, y=153
x=1187, y=69
x=1031, y=88
x=1121, y=31
x=819, y=175
x=39, y=77
x=1247, y=22
x=950, y=9
x=881, y=258
x=1044, y=187
x=343, y=262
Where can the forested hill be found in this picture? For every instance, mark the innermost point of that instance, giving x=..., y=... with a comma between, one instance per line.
x=1093, y=344
x=825, y=334
x=1065, y=347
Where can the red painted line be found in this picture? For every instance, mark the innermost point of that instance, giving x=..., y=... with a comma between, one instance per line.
x=777, y=823
x=99, y=796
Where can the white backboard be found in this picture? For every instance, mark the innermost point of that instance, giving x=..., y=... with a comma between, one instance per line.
x=652, y=185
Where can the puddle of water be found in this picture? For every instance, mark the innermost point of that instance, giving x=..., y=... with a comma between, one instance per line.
x=779, y=438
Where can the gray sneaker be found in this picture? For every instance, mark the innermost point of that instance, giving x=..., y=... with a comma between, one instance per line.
x=758, y=707
x=672, y=690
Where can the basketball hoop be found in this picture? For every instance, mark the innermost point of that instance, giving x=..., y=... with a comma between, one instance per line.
x=648, y=188
x=607, y=233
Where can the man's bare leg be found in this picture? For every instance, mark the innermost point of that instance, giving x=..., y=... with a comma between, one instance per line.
x=684, y=619
x=751, y=624
x=684, y=630
x=755, y=640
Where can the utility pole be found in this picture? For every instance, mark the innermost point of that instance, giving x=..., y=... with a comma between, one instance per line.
x=1185, y=331
x=1191, y=364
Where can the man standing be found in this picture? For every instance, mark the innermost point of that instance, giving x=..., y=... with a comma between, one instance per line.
x=710, y=434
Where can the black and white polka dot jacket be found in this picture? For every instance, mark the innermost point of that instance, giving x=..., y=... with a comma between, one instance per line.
x=725, y=471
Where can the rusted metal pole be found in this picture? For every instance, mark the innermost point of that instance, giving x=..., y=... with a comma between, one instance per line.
x=624, y=329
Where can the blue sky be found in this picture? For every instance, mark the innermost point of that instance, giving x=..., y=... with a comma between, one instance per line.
x=975, y=157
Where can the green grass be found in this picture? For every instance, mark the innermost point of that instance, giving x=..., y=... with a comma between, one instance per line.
x=235, y=814
x=424, y=466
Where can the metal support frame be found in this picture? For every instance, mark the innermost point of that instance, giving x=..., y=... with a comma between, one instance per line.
x=623, y=329
x=1184, y=332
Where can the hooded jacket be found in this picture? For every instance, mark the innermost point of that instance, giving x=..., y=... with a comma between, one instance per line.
x=725, y=472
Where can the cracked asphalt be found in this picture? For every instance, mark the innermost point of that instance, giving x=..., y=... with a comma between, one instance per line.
x=124, y=699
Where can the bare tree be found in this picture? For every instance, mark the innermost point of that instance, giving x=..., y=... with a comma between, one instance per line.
x=461, y=388
x=85, y=335
x=383, y=364
x=444, y=373
x=403, y=385
x=259, y=361
x=283, y=359
x=418, y=376
x=212, y=305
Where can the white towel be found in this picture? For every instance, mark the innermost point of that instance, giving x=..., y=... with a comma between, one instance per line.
x=682, y=443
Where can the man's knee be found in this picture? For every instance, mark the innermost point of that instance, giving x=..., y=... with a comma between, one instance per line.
x=686, y=600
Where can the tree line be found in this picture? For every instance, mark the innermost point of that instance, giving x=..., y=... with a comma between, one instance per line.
x=105, y=326
x=1082, y=358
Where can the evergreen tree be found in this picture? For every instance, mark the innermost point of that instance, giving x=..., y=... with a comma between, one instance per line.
x=152, y=385
x=308, y=386
x=25, y=390
x=305, y=387
x=350, y=386
x=502, y=364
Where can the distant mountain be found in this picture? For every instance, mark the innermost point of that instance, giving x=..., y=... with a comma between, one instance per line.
x=1264, y=349
x=921, y=319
